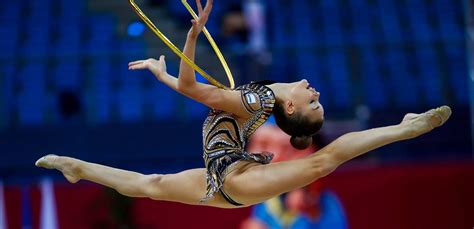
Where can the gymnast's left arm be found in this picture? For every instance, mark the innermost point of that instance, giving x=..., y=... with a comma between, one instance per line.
x=209, y=95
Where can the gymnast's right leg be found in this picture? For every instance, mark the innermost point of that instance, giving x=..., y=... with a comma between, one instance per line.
x=185, y=187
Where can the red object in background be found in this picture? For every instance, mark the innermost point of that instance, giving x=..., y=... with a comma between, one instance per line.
x=161, y=214
x=83, y=206
x=270, y=138
x=13, y=206
x=407, y=196
x=399, y=196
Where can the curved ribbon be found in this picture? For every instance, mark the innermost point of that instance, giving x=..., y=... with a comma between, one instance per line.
x=180, y=54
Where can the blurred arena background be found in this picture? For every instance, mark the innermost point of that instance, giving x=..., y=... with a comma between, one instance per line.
x=65, y=89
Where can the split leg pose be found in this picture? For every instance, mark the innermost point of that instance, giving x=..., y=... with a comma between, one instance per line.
x=233, y=177
x=252, y=183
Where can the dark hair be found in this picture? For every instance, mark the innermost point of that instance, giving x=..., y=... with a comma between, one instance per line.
x=299, y=127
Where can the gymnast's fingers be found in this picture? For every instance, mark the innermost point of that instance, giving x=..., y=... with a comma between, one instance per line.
x=199, y=6
x=137, y=67
x=208, y=7
x=135, y=62
x=194, y=22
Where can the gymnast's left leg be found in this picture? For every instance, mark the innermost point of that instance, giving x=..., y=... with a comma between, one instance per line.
x=185, y=187
x=257, y=183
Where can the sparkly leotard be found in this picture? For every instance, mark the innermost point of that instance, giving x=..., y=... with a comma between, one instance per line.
x=224, y=138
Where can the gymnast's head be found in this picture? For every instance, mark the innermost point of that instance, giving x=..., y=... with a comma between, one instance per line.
x=298, y=112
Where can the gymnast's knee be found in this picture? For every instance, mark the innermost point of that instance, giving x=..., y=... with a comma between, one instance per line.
x=323, y=165
x=151, y=186
x=141, y=186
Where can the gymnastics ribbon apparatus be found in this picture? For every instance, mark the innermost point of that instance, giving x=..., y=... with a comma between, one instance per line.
x=180, y=54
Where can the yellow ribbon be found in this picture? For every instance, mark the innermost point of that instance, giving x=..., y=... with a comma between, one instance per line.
x=180, y=54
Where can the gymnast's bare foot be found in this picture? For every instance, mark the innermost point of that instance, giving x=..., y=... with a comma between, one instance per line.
x=419, y=124
x=64, y=164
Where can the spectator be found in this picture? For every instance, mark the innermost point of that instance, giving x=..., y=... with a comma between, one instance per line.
x=309, y=207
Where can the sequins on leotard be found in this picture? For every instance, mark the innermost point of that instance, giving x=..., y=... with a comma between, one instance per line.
x=224, y=139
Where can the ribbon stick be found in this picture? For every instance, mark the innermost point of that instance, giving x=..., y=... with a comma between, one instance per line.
x=178, y=52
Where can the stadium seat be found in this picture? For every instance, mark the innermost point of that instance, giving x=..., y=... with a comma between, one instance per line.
x=337, y=69
x=71, y=11
x=418, y=21
x=429, y=77
x=32, y=98
x=447, y=15
x=99, y=99
x=402, y=83
x=12, y=13
x=458, y=74
x=332, y=26
x=67, y=75
x=362, y=31
x=9, y=36
x=374, y=87
x=39, y=11
x=387, y=16
x=7, y=96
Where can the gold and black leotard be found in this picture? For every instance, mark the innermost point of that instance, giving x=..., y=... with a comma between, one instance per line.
x=224, y=137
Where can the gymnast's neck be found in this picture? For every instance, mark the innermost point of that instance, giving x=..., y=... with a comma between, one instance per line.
x=280, y=90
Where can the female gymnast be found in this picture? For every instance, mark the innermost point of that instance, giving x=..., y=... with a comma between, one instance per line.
x=233, y=177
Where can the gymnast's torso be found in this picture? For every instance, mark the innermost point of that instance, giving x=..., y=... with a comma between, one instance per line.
x=225, y=135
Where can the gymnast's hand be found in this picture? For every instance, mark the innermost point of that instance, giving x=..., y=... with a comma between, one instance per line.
x=203, y=15
x=157, y=67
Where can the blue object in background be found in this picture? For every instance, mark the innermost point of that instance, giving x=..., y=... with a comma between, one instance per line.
x=26, y=210
x=32, y=99
x=332, y=215
x=135, y=29
x=9, y=39
x=7, y=98
x=375, y=90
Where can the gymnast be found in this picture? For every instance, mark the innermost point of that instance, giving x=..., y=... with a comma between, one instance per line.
x=232, y=177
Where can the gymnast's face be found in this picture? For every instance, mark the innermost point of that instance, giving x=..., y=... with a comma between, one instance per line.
x=304, y=99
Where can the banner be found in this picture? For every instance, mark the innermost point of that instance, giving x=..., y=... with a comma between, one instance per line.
x=3, y=213
x=48, y=218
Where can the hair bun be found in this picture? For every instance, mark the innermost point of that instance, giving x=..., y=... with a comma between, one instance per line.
x=301, y=142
